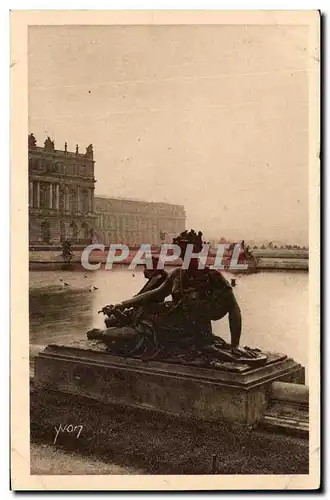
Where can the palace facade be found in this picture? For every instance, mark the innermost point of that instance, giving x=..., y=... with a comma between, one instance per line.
x=134, y=222
x=61, y=194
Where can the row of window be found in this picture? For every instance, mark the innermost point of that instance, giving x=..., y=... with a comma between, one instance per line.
x=44, y=165
x=123, y=224
x=46, y=195
x=73, y=231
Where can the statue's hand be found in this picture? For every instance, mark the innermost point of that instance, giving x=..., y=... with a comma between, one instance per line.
x=119, y=307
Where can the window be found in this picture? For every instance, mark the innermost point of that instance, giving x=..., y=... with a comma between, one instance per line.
x=45, y=231
x=43, y=196
x=62, y=230
x=74, y=231
x=85, y=230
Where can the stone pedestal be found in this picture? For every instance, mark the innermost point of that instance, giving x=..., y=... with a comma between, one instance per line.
x=233, y=393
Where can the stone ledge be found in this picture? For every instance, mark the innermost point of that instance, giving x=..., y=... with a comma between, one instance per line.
x=235, y=394
x=232, y=374
x=288, y=410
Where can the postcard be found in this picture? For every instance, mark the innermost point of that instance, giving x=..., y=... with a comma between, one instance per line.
x=165, y=239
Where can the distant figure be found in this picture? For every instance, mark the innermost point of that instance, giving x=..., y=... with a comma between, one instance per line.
x=93, y=288
x=233, y=282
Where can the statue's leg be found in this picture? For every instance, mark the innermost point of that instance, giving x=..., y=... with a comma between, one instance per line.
x=112, y=334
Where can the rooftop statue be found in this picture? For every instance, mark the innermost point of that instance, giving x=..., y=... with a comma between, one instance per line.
x=49, y=145
x=180, y=329
x=32, y=142
x=89, y=151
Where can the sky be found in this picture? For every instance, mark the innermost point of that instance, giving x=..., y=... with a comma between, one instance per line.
x=214, y=118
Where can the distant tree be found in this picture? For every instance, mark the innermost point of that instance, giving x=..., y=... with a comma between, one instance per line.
x=275, y=246
x=255, y=247
x=270, y=244
x=262, y=247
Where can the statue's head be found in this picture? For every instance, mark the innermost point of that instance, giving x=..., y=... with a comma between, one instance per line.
x=189, y=238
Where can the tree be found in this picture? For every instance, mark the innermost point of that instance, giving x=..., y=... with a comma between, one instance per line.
x=262, y=247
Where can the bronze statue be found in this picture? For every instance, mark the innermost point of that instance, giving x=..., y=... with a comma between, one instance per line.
x=155, y=277
x=179, y=328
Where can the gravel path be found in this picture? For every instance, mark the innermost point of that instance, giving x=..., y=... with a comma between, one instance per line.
x=47, y=459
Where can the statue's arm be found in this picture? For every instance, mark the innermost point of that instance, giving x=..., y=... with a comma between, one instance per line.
x=218, y=279
x=159, y=293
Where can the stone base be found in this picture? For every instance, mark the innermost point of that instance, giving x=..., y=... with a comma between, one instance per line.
x=233, y=393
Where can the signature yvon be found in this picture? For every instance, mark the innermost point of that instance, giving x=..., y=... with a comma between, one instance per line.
x=69, y=429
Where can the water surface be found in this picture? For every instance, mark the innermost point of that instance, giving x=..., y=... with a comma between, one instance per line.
x=274, y=306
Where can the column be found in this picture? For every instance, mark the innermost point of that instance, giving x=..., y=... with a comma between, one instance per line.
x=38, y=194
x=57, y=196
x=89, y=200
x=78, y=199
x=66, y=199
x=31, y=194
x=92, y=200
x=50, y=195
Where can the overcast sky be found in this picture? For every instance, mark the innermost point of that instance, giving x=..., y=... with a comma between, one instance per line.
x=211, y=117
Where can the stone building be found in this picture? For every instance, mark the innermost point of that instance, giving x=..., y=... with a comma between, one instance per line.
x=134, y=222
x=61, y=194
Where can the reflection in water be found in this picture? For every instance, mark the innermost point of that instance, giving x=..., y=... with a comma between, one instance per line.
x=274, y=307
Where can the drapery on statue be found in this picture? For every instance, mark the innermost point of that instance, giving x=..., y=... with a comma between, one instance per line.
x=180, y=329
